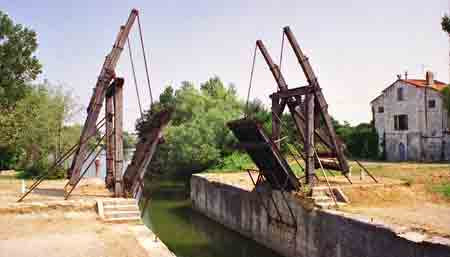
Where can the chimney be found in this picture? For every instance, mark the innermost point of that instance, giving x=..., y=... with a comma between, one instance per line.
x=429, y=78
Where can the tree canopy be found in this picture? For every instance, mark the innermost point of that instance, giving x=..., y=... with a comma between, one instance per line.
x=18, y=65
x=445, y=24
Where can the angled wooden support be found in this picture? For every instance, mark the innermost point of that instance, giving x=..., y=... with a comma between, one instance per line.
x=292, y=103
x=145, y=148
x=320, y=99
x=96, y=102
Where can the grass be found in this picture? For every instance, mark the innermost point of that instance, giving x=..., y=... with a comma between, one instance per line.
x=235, y=162
x=443, y=189
x=435, y=176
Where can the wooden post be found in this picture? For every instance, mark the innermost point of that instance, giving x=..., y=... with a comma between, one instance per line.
x=275, y=122
x=118, y=135
x=109, y=125
x=309, y=136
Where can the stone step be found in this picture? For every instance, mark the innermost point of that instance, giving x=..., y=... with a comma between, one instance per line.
x=320, y=192
x=120, y=209
x=125, y=207
x=320, y=199
x=126, y=219
x=122, y=214
x=328, y=205
x=119, y=202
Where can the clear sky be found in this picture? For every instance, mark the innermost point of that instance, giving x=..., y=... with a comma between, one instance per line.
x=356, y=47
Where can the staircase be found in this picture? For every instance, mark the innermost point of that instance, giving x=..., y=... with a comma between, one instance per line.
x=322, y=197
x=118, y=210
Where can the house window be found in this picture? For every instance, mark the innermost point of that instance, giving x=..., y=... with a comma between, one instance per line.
x=380, y=109
x=401, y=122
x=400, y=94
x=431, y=104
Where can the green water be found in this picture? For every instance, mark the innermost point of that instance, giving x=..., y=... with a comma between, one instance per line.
x=190, y=234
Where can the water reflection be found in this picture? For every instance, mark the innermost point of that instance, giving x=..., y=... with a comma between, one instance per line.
x=188, y=233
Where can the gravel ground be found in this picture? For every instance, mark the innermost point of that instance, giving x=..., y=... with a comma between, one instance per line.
x=69, y=234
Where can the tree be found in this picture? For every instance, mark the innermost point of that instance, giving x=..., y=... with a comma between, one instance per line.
x=34, y=130
x=445, y=24
x=18, y=65
x=197, y=137
x=446, y=101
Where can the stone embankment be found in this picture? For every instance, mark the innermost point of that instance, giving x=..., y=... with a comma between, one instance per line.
x=293, y=229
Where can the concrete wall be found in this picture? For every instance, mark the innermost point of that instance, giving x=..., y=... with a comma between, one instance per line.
x=317, y=233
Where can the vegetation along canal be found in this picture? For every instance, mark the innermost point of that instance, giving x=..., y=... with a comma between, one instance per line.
x=190, y=234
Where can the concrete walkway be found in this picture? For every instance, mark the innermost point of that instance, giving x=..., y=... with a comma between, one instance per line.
x=47, y=226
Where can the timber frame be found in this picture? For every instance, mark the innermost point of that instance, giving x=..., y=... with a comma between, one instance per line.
x=107, y=74
x=309, y=111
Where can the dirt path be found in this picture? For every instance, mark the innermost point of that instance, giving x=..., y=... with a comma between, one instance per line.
x=69, y=234
x=44, y=225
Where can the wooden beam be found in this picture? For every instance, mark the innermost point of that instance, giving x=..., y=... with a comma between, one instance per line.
x=293, y=92
x=298, y=117
x=276, y=124
x=145, y=149
x=118, y=136
x=252, y=146
x=96, y=102
x=312, y=80
x=109, y=142
x=309, y=143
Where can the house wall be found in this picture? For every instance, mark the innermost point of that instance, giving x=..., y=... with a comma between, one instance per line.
x=424, y=138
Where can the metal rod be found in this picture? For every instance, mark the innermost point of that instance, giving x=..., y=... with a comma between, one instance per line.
x=251, y=80
x=134, y=76
x=145, y=60
x=285, y=200
x=45, y=175
x=259, y=193
x=82, y=175
x=326, y=179
x=367, y=171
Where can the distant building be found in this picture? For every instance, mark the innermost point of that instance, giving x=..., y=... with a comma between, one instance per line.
x=411, y=121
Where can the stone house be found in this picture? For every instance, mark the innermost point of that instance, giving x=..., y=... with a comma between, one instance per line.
x=411, y=120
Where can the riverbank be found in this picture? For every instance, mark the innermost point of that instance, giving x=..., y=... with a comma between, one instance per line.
x=306, y=231
x=46, y=225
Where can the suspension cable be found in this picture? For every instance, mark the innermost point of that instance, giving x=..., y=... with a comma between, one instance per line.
x=251, y=81
x=134, y=76
x=145, y=61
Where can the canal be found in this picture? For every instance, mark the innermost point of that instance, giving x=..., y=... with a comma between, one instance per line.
x=190, y=234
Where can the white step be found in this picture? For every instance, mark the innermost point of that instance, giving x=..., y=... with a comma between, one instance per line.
x=320, y=199
x=328, y=205
x=126, y=219
x=127, y=207
x=118, y=210
x=119, y=202
x=122, y=214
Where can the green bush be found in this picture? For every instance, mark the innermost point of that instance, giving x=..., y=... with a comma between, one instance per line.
x=8, y=159
x=236, y=161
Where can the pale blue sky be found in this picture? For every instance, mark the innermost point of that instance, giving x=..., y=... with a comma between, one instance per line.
x=355, y=47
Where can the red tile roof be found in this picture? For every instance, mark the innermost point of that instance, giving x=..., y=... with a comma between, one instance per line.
x=438, y=85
